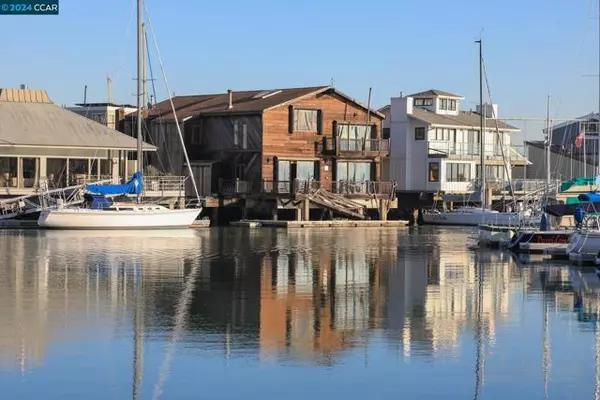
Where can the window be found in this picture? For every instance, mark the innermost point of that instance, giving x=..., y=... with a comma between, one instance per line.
x=419, y=133
x=244, y=136
x=443, y=104
x=353, y=171
x=589, y=127
x=386, y=133
x=492, y=172
x=452, y=105
x=352, y=137
x=236, y=133
x=423, y=102
x=443, y=134
x=197, y=134
x=456, y=172
x=434, y=172
x=305, y=120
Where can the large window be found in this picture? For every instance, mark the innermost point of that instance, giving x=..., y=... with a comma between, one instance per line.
x=305, y=120
x=353, y=171
x=492, y=172
x=444, y=134
x=456, y=172
x=448, y=104
x=352, y=137
x=434, y=172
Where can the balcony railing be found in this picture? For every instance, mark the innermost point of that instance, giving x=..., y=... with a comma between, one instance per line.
x=234, y=186
x=301, y=186
x=473, y=150
x=164, y=184
x=364, y=145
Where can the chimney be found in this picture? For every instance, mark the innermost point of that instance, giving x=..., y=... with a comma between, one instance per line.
x=23, y=87
x=230, y=99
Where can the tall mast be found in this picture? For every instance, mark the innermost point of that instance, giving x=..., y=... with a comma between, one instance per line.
x=482, y=128
x=548, y=144
x=598, y=119
x=140, y=89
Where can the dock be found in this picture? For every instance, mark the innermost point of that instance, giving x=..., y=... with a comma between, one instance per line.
x=320, y=224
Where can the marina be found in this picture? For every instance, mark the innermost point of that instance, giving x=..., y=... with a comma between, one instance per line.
x=249, y=210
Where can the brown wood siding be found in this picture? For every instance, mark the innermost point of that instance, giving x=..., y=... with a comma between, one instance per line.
x=278, y=142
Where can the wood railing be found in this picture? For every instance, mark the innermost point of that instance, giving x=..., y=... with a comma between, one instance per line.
x=302, y=186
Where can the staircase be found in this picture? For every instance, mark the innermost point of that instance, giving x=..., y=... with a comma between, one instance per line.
x=334, y=202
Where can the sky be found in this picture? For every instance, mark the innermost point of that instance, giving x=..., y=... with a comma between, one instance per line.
x=532, y=48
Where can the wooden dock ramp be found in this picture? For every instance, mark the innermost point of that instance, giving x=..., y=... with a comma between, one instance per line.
x=334, y=202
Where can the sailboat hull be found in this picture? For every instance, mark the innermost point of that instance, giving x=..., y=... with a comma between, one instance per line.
x=142, y=218
x=472, y=218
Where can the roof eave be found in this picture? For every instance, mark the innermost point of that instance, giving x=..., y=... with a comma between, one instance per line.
x=325, y=89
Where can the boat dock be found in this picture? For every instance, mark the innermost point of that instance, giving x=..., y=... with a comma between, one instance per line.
x=320, y=224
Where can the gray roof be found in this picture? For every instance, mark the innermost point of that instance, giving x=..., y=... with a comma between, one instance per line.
x=435, y=93
x=463, y=119
x=39, y=122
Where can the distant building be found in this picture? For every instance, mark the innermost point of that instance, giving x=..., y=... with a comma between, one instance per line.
x=43, y=142
x=435, y=147
x=566, y=163
x=108, y=114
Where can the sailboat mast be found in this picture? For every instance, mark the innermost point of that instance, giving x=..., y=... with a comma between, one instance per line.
x=482, y=128
x=140, y=89
x=598, y=119
x=548, y=144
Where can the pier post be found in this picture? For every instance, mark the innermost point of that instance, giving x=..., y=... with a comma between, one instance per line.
x=306, y=210
x=274, y=212
x=382, y=210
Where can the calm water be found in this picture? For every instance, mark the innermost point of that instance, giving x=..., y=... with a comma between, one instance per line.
x=270, y=314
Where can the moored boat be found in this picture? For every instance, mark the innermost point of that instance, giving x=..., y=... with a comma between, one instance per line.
x=471, y=216
x=538, y=241
x=494, y=235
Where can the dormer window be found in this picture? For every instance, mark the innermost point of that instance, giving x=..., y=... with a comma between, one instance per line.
x=448, y=104
x=423, y=102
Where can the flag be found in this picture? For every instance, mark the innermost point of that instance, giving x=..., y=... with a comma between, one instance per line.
x=579, y=139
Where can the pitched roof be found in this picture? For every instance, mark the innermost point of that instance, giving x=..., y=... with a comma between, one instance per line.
x=435, y=93
x=463, y=119
x=29, y=118
x=244, y=102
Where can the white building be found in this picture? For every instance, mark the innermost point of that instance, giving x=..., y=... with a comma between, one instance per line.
x=108, y=114
x=435, y=147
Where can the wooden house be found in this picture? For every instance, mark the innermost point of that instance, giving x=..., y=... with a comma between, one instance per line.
x=273, y=141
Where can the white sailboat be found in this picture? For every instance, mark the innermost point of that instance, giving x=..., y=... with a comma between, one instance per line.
x=472, y=216
x=106, y=214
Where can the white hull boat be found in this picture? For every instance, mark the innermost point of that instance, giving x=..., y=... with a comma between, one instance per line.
x=495, y=236
x=119, y=217
x=471, y=217
x=584, y=246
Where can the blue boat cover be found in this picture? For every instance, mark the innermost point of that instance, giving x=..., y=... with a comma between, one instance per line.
x=591, y=197
x=134, y=186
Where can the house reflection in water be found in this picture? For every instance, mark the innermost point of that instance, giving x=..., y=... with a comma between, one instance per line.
x=281, y=295
x=318, y=301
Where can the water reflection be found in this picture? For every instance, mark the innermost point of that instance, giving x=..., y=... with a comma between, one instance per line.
x=142, y=310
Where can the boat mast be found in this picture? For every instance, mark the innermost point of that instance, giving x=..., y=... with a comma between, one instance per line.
x=482, y=128
x=548, y=146
x=140, y=89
